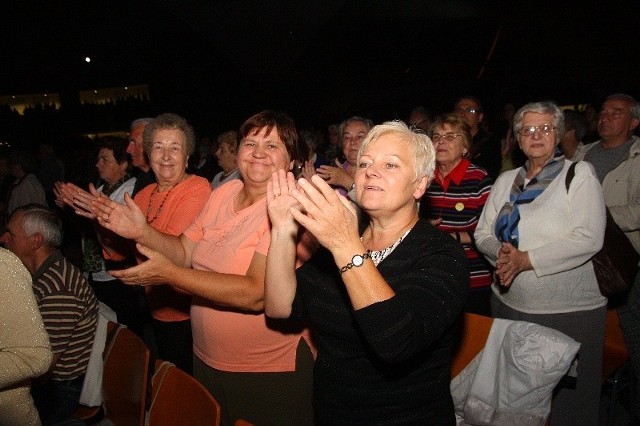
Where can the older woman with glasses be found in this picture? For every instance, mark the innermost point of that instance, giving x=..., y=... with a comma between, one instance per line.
x=540, y=229
x=455, y=199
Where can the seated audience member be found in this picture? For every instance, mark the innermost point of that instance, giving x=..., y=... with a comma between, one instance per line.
x=485, y=148
x=49, y=170
x=382, y=301
x=226, y=154
x=6, y=182
x=455, y=199
x=334, y=147
x=353, y=131
x=616, y=158
x=575, y=128
x=310, y=138
x=203, y=162
x=26, y=188
x=512, y=155
x=67, y=304
x=420, y=118
x=258, y=370
x=25, y=352
x=541, y=235
x=591, y=115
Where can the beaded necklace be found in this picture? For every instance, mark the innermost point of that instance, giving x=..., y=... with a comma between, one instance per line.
x=150, y=220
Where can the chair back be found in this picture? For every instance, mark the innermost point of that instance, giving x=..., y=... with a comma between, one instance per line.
x=474, y=330
x=615, y=352
x=179, y=399
x=126, y=371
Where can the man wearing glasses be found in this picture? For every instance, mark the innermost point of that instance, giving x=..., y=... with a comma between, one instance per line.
x=485, y=148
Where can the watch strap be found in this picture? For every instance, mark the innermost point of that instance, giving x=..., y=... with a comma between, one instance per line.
x=345, y=268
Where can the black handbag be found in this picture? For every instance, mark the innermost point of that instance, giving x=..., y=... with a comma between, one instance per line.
x=616, y=264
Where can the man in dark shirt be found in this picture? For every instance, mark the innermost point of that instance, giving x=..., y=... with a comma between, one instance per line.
x=485, y=148
x=67, y=304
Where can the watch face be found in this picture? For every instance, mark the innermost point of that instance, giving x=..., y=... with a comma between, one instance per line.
x=357, y=260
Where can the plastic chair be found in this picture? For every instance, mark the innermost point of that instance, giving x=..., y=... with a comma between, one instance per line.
x=93, y=415
x=474, y=331
x=615, y=359
x=179, y=399
x=126, y=371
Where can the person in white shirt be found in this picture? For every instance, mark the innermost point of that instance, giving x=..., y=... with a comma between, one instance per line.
x=541, y=235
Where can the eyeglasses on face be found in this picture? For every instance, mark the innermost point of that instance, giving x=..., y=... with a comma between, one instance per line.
x=545, y=129
x=470, y=110
x=447, y=137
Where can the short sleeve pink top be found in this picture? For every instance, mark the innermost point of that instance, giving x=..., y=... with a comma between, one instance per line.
x=226, y=241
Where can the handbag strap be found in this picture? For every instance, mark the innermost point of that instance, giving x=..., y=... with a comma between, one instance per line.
x=570, y=174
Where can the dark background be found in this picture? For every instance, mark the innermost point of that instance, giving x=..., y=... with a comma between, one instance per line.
x=217, y=62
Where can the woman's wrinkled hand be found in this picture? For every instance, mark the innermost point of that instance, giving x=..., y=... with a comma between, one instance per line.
x=155, y=270
x=510, y=263
x=335, y=175
x=435, y=222
x=126, y=220
x=280, y=201
x=308, y=170
x=331, y=218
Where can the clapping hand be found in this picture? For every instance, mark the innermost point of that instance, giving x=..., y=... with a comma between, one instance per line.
x=126, y=220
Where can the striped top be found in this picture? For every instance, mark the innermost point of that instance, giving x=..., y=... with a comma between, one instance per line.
x=458, y=199
x=69, y=310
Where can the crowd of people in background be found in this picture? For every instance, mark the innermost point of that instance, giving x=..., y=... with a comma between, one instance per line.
x=307, y=275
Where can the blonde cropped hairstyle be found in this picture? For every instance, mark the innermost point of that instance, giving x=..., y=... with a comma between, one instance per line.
x=422, y=151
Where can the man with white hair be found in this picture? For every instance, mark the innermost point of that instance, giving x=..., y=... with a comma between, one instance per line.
x=67, y=304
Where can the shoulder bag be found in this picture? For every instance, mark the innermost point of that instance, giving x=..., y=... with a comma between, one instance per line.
x=616, y=264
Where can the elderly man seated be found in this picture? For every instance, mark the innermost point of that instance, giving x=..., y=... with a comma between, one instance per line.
x=67, y=304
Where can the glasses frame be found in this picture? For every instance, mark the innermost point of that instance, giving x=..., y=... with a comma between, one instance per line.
x=529, y=131
x=447, y=137
x=470, y=110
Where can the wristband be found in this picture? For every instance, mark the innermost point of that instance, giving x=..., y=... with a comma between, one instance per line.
x=356, y=260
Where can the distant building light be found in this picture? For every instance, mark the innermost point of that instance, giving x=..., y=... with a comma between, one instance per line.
x=126, y=88
x=87, y=59
x=95, y=91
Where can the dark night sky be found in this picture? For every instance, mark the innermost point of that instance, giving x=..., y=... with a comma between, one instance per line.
x=323, y=59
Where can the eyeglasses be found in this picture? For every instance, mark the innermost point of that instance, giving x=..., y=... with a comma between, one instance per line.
x=448, y=137
x=545, y=129
x=470, y=110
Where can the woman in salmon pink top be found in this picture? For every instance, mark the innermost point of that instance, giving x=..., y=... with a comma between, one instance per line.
x=170, y=205
x=258, y=369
